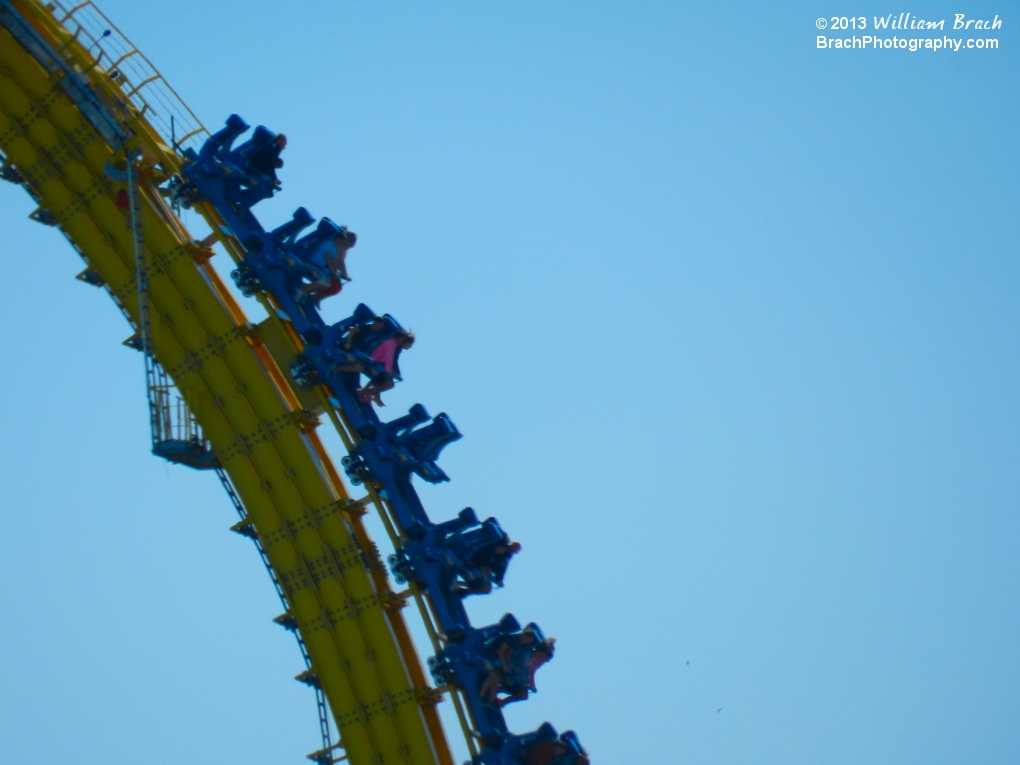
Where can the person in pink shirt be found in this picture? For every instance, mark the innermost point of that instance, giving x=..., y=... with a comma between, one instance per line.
x=386, y=355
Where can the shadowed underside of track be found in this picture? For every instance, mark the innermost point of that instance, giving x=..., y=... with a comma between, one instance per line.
x=331, y=573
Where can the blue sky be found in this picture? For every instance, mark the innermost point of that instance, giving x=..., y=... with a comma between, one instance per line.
x=729, y=324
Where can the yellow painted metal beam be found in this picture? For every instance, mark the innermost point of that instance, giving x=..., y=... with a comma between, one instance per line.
x=330, y=570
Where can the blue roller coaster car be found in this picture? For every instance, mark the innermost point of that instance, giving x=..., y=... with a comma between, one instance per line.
x=241, y=177
x=281, y=262
x=347, y=342
x=467, y=663
x=485, y=662
x=358, y=339
x=250, y=168
x=336, y=350
x=468, y=557
x=452, y=560
x=485, y=550
x=415, y=449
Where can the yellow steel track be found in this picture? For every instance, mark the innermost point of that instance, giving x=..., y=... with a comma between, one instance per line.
x=330, y=571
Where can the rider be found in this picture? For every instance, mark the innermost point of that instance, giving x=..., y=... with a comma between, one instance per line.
x=330, y=262
x=491, y=562
x=266, y=158
x=385, y=354
x=550, y=753
x=265, y=161
x=518, y=657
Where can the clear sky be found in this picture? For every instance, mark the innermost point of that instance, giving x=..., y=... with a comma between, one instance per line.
x=730, y=326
